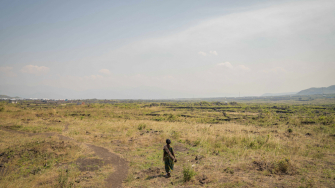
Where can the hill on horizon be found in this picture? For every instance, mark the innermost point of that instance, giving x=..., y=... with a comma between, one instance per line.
x=6, y=96
x=318, y=90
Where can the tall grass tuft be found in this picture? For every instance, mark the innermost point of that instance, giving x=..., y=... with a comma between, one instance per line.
x=141, y=126
x=188, y=173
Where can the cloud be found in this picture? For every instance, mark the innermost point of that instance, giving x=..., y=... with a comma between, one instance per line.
x=202, y=53
x=236, y=68
x=104, y=71
x=243, y=67
x=7, y=71
x=226, y=64
x=213, y=52
x=34, y=69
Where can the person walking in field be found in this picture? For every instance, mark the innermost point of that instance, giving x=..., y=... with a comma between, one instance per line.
x=169, y=158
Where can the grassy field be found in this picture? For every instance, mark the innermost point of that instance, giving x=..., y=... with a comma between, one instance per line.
x=254, y=144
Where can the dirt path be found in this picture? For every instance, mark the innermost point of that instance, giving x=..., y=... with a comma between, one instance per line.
x=119, y=164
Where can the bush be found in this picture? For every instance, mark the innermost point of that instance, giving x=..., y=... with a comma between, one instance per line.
x=188, y=173
x=172, y=118
x=282, y=166
x=141, y=126
x=63, y=178
x=233, y=103
x=290, y=130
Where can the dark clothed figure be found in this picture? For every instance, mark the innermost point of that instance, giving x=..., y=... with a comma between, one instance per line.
x=168, y=158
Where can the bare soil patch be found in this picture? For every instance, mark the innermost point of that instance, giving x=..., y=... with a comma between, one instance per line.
x=119, y=164
x=90, y=164
x=180, y=148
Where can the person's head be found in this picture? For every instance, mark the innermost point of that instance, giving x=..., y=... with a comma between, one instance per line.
x=168, y=141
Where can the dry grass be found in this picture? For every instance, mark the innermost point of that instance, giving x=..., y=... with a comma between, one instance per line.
x=244, y=153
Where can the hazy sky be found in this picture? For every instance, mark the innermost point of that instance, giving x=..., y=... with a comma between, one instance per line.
x=165, y=49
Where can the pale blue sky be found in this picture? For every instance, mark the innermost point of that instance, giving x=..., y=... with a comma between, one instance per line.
x=165, y=49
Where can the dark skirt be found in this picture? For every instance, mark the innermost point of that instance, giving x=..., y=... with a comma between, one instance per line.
x=168, y=164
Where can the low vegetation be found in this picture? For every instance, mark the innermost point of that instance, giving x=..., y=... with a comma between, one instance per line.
x=217, y=144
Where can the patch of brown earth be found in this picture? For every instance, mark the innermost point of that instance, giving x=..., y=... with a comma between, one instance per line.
x=90, y=164
x=119, y=164
x=180, y=148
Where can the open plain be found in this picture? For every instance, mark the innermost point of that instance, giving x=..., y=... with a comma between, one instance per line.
x=120, y=144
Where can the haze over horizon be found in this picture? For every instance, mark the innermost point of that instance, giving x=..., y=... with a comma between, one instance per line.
x=165, y=49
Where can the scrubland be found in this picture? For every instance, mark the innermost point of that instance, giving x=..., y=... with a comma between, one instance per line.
x=216, y=144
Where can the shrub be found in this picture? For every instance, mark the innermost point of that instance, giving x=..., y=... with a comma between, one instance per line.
x=141, y=126
x=290, y=130
x=233, y=103
x=172, y=118
x=204, y=103
x=188, y=173
x=63, y=179
x=282, y=166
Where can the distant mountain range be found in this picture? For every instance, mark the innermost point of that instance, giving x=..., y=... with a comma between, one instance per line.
x=310, y=91
x=318, y=90
x=6, y=96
